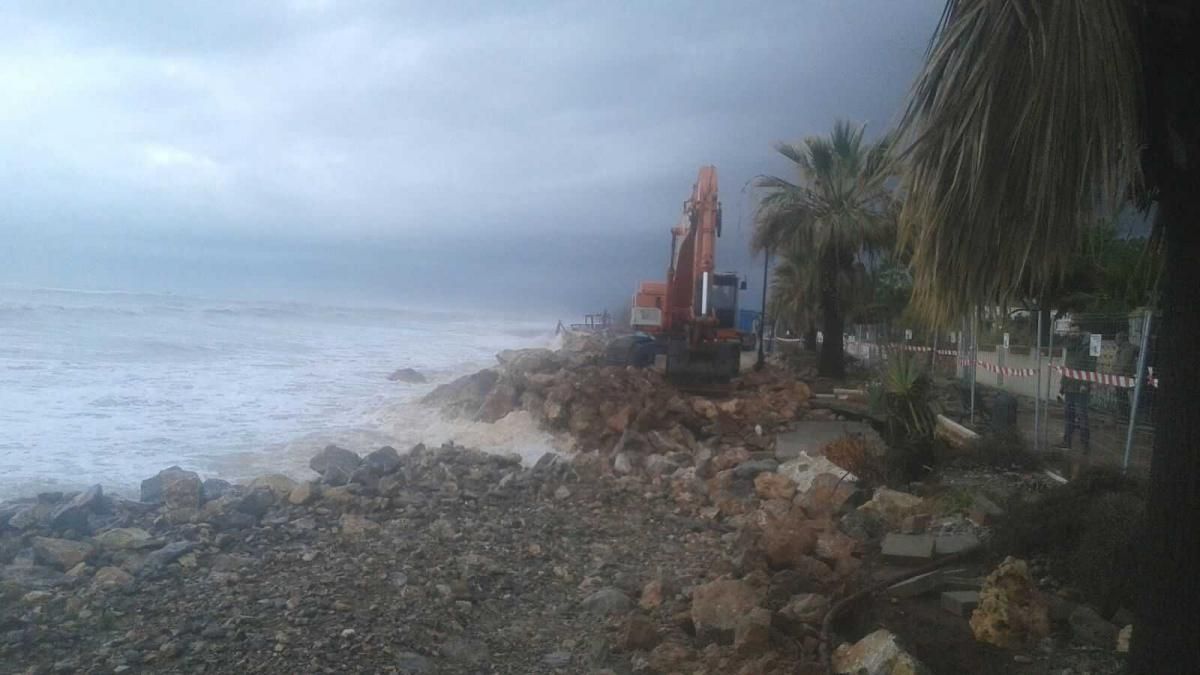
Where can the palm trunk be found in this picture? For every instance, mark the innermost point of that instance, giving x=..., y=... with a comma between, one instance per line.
x=832, y=362
x=1164, y=637
x=1168, y=611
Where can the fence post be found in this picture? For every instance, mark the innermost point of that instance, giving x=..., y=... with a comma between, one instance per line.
x=974, y=357
x=1137, y=390
x=1037, y=399
x=1049, y=386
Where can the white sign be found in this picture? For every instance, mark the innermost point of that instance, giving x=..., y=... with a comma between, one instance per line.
x=907, y=333
x=1094, y=347
x=1006, y=340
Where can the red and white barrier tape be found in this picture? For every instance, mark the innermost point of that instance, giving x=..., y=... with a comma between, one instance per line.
x=1010, y=372
x=922, y=348
x=1123, y=381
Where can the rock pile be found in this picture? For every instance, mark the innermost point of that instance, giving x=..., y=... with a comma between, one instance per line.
x=629, y=417
x=438, y=560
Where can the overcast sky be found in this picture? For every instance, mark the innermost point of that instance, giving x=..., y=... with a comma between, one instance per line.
x=537, y=151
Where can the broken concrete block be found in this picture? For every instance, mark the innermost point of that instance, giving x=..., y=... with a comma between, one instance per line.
x=915, y=524
x=984, y=511
x=960, y=603
x=908, y=547
x=918, y=585
x=949, y=544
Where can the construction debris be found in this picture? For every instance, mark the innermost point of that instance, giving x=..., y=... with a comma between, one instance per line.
x=1011, y=612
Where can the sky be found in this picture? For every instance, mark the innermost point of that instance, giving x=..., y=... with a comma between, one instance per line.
x=512, y=154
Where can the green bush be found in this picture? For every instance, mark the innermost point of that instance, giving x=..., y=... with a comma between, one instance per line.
x=1087, y=529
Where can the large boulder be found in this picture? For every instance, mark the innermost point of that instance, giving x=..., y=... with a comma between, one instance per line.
x=166, y=555
x=154, y=488
x=717, y=606
x=61, y=554
x=788, y=540
x=464, y=396
x=215, y=488
x=383, y=461
x=407, y=375
x=893, y=506
x=257, y=501
x=1011, y=611
x=827, y=495
x=109, y=578
x=30, y=516
x=73, y=515
x=530, y=361
x=500, y=401
x=278, y=483
x=183, y=493
x=335, y=465
x=123, y=539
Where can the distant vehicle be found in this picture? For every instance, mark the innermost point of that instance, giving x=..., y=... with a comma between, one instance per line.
x=692, y=316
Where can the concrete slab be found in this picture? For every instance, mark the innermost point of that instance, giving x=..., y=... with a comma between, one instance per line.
x=949, y=544
x=915, y=548
x=953, y=582
x=919, y=585
x=960, y=603
x=810, y=436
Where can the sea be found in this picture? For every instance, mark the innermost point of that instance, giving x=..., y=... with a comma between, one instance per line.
x=112, y=387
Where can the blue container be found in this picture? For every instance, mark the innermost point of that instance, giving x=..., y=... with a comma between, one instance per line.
x=746, y=319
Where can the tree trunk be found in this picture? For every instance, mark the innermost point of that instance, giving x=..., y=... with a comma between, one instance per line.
x=1168, y=611
x=810, y=338
x=1164, y=634
x=832, y=362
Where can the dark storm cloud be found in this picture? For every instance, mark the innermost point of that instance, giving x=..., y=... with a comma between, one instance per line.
x=475, y=125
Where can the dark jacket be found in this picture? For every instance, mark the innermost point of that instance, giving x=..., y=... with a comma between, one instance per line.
x=1077, y=358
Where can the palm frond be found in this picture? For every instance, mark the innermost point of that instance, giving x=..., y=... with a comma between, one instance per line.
x=1022, y=130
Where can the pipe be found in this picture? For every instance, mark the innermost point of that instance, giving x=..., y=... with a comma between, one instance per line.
x=974, y=357
x=762, y=318
x=704, y=294
x=1049, y=385
x=1137, y=390
x=1037, y=401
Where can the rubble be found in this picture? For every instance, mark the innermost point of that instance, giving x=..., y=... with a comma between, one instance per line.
x=875, y=654
x=893, y=507
x=717, y=606
x=680, y=536
x=1011, y=611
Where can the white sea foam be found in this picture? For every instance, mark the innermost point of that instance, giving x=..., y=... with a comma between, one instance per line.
x=111, y=388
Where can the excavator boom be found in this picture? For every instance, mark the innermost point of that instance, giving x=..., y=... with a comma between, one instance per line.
x=693, y=313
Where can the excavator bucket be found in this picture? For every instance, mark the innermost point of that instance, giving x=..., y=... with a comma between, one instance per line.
x=708, y=366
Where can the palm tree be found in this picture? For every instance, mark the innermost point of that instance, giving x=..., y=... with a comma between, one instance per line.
x=836, y=209
x=1030, y=121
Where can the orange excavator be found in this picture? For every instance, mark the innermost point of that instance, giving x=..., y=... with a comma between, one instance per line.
x=692, y=316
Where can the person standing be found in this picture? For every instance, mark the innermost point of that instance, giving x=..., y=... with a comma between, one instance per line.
x=1125, y=364
x=1076, y=393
